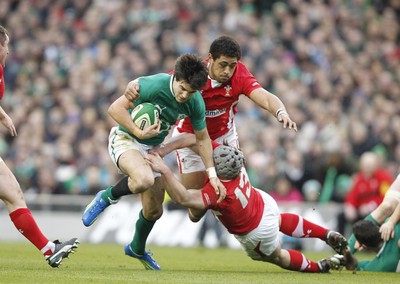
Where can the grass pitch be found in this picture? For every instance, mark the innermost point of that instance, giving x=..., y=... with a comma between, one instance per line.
x=106, y=263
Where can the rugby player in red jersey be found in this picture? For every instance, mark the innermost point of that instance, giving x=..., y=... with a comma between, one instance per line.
x=11, y=193
x=250, y=214
x=228, y=79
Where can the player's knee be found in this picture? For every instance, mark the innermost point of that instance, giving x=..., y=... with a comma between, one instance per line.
x=153, y=213
x=140, y=184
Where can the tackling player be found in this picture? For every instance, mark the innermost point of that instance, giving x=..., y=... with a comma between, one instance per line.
x=251, y=215
x=11, y=193
x=228, y=78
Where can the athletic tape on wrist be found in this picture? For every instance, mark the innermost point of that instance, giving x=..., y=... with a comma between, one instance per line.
x=211, y=172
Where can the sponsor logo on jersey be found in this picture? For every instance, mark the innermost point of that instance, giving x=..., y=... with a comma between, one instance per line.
x=215, y=112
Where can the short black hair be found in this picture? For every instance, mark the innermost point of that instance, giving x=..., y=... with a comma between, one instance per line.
x=191, y=69
x=367, y=233
x=3, y=35
x=225, y=46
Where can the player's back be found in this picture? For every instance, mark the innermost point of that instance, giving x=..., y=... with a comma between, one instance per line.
x=241, y=210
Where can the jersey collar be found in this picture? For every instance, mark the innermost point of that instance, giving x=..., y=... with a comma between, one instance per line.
x=214, y=83
x=171, y=85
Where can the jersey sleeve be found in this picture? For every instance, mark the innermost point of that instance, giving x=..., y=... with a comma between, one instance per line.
x=198, y=113
x=147, y=89
x=377, y=264
x=248, y=82
x=209, y=196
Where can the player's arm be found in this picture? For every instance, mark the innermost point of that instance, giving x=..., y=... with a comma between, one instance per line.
x=176, y=142
x=118, y=111
x=189, y=198
x=274, y=105
x=206, y=153
x=132, y=91
x=7, y=122
x=387, y=229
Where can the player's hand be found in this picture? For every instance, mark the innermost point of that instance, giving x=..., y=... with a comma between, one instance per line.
x=132, y=91
x=350, y=260
x=219, y=188
x=387, y=230
x=151, y=131
x=284, y=118
x=9, y=124
x=156, y=163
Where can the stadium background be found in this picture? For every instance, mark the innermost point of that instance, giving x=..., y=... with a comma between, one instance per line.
x=335, y=65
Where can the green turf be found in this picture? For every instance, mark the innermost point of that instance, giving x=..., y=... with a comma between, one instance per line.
x=106, y=263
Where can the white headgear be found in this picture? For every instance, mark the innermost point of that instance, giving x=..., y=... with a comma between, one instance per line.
x=228, y=161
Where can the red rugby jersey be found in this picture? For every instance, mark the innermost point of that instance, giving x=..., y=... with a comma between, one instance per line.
x=241, y=210
x=221, y=102
x=369, y=190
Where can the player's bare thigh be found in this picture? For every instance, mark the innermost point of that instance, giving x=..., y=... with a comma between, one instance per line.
x=194, y=180
x=152, y=201
x=140, y=174
x=10, y=191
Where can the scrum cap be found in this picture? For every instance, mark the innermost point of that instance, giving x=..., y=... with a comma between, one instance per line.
x=228, y=161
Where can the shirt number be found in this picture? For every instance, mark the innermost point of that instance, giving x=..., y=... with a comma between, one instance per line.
x=243, y=191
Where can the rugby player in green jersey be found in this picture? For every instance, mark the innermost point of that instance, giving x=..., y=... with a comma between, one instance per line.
x=369, y=238
x=176, y=96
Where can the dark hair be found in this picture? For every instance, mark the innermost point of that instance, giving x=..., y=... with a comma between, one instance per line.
x=367, y=233
x=191, y=69
x=225, y=46
x=3, y=35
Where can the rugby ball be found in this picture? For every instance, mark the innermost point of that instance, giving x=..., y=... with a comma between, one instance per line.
x=144, y=115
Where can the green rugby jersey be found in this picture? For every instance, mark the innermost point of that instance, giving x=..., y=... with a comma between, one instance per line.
x=157, y=89
x=387, y=259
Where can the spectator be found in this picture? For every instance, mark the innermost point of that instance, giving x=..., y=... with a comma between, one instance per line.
x=285, y=191
x=335, y=64
x=369, y=187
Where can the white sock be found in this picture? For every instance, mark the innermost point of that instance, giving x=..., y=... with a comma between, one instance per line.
x=49, y=246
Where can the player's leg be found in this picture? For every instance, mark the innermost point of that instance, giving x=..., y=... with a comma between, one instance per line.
x=298, y=227
x=383, y=211
x=296, y=261
x=127, y=154
x=20, y=215
x=263, y=243
x=152, y=200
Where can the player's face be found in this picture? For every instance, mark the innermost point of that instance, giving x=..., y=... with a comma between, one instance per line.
x=4, y=51
x=222, y=68
x=183, y=91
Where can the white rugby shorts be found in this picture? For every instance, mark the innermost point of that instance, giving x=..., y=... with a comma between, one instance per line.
x=266, y=236
x=119, y=142
x=190, y=162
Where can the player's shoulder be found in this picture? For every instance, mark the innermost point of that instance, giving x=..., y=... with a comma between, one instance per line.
x=241, y=70
x=158, y=76
x=243, y=77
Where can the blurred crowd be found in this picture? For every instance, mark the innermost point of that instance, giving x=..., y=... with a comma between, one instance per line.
x=335, y=64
